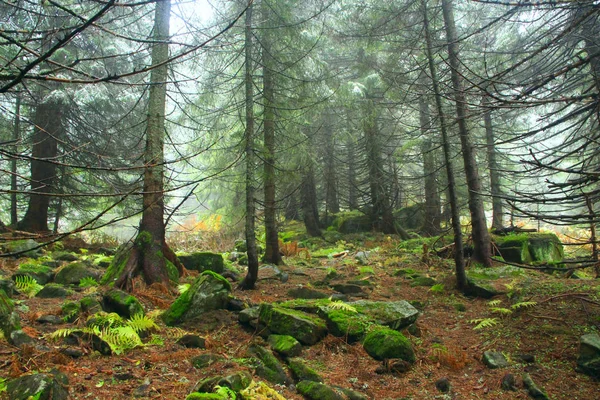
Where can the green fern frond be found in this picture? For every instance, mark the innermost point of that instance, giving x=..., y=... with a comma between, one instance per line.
x=27, y=285
x=484, y=322
x=175, y=333
x=155, y=340
x=340, y=305
x=62, y=333
x=121, y=339
x=142, y=323
x=437, y=288
x=225, y=392
x=105, y=320
x=501, y=310
x=524, y=304
x=494, y=303
x=88, y=281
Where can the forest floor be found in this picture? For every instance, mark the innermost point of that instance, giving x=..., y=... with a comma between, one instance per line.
x=446, y=343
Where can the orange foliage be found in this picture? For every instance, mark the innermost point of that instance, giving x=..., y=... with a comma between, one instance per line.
x=291, y=249
x=450, y=356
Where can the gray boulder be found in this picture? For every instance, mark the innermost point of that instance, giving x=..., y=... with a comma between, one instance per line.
x=589, y=355
x=306, y=328
x=53, y=291
x=494, y=359
x=210, y=291
x=122, y=303
x=9, y=319
x=395, y=314
x=27, y=248
x=203, y=261
x=52, y=386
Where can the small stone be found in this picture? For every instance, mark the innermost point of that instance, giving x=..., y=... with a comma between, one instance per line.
x=205, y=360
x=443, y=385
x=53, y=291
x=192, y=341
x=494, y=359
x=347, y=288
x=534, y=391
x=526, y=358
x=508, y=382
x=19, y=338
x=50, y=319
x=73, y=352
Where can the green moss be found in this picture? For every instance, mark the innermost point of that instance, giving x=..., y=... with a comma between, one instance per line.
x=384, y=343
x=302, y=372
x=172, y=271
x=34, y=268
x=306, y=328
x=70, y=311
x=117, y=265
x=347, y=324
x=90, y=304
x=143, y=239
x=225, y=282
x=317, y=391
x=206, y=396
x=285, y=345
x=122, y=303
x=307, y=305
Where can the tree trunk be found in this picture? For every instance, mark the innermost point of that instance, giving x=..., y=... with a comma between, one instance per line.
x=150, y=253
x=381, y=213
x=272, y=254
x=431, y=224
x=495, y=189
x=310, y=212
x=352, y=185
x=481, y=237
x=14, y=217
x=48, y=130
x=332, y=204
x=249, y=281
x=461, y=277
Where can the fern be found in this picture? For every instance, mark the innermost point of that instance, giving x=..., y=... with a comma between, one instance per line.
x=482, y=323
x=142, y=323
x=155, y=340
x=27, y=285
x=62, y=333
x=437, y=288
x=225, y=392
x=121, y=339
x=501, y=310
x=88, y=281
x=175, y=333
x=340, y=305
x=105, y=320
x=494, y=303
x=524, y=304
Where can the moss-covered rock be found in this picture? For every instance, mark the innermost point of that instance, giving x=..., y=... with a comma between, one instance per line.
x=318, y=391
x=54, y=291
x=285, y=345
x=9, y=287
x=117, y=265
x=27, y=248
x=205, y=360
x=70, y=311
x=268, y=366
x=52, y=386
x=347, y=324
x=422, y=281
x=72, y=274
x=64, y=256
x=206, y=396
x=122, y=303
x=91, y=303
x=411, y=217
x=9, y=319
x=41, y=273
x=395, y=314
x=527, y=248
x=384, y=343
x=306, y=328
x=210, y=291
x=302, y=372
x=589, y=355
x=203, y=261
x=352, y=222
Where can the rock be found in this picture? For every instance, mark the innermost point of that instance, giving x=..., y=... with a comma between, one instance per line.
x=192, y=341
x=203, y=261
x=41, y=273
x=19, y=338
x=26, y=248
x=509, y=382
x=526, y=248
x=494, y=359
x=443, y=385
x=306, y=328
x=122, y=303
x=349, y=325
x=70, y=311
x=285, y=345
x=352, y=222
x=422, y=281
x=9, y=319
x=588, y=361
x=302, y=372
x=534, y=391
x=205, y=360
x=395, y=314
x=269, y=366
x=362, y=257
x=72, y=274
x=236, y=304
x=8, y=286
x=73, y=352
x=526, y=358
x=52, y=386
x=348, y=288
x=53, y=291
x=306, y=293
x=352, y=394
x=384, y=343
x=124, y=376
x=318, y=391
x=411, y=217
x=64, y=256
x=50, y=319
x=480, y=289
x=210, y=291
x=91, y=303
x=142, y=391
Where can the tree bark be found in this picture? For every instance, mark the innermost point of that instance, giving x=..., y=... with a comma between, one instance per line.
x=48, y=130
x=481, y=237
x=459, y=263
x=272, y=254
x=14, y=217
x=381, y=213
x=249, y=281
x=431, y=225
x=495, y=188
